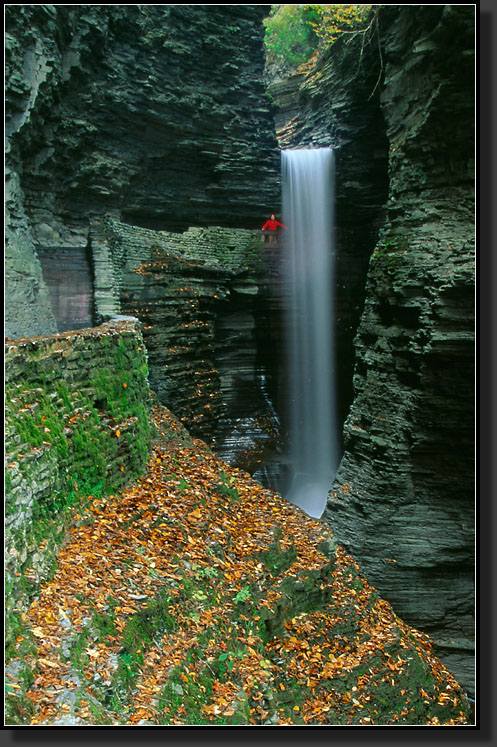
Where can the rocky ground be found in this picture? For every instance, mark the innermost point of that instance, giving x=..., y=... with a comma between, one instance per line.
x=196, y=596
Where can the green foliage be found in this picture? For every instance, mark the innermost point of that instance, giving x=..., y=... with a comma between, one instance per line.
x=294, y=33
x=225, y=486
x=19, y=709
x=330, y=21
x=183, y=693
x=289, y=37
x=142, y=628
x=242, y=595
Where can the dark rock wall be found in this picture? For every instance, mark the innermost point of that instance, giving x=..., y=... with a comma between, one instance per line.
x=397, y=104
x=403, y=500
x=197, y=295
x=153, y=114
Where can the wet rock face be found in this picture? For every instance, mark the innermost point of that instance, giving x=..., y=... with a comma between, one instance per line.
x=154, y=114
x=403, y=499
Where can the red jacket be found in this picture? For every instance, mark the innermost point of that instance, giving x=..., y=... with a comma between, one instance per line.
x=272, y=225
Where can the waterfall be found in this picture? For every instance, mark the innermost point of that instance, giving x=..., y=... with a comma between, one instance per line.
x=308, y=211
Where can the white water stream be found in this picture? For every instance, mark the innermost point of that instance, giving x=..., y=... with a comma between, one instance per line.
x=308, y=211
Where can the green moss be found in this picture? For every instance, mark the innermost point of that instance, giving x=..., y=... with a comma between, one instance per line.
x=99, y=714
x=103, y=626
x=127, y=669
x=64, y=435
x=19, y=709
x=63, y=391
x=278, y=561
x=77, y=655
x=389, y=249
x=144, y=626
x=388, y=262
x=46, y=420
x=225, y=487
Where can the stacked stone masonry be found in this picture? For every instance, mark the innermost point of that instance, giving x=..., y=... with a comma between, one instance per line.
x=77, y=420
x=197, y=295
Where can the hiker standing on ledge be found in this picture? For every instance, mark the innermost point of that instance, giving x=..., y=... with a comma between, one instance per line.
x=272, y=225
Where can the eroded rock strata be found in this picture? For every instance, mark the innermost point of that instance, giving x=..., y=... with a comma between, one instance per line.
x=200, y=298
x=335, y=103
x=153, y=114
x=107, y=115
x=403, y=500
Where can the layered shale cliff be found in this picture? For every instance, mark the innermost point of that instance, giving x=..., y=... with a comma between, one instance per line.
x=406, y=483
x=155, y=115
x=397, y=102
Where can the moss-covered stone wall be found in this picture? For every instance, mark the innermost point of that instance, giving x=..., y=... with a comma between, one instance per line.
x=77, y=424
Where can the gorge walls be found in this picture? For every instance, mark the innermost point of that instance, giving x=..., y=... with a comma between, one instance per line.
x=153, y=117
x=335, y=103
x=403, y=499
x=200, y=298
x=143, y=135
x=152, y=114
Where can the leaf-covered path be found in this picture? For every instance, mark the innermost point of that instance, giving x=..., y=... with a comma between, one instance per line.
x=197, y=596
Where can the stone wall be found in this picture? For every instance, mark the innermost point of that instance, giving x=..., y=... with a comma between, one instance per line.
x=155, y=114
x=198, y=297
x=77, y=423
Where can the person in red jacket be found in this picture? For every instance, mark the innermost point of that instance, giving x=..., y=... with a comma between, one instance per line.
x=272, y=225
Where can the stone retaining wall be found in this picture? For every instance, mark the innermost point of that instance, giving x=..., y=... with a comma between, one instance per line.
x=77, y=423
x=184, y=287
x=119, y=249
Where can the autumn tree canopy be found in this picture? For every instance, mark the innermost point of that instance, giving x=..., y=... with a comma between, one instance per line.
x=294, y=33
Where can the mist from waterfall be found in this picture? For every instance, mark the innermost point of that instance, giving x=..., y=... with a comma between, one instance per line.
x=308, y=211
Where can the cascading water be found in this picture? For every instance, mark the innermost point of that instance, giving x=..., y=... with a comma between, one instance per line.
x=308, y=211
